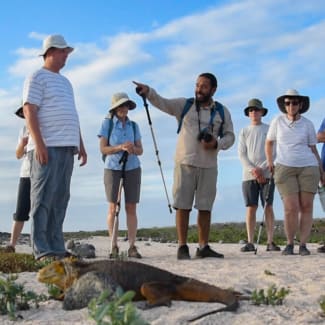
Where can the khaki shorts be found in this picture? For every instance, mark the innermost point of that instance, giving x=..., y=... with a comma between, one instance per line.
x=131, y=185
x=290, y=180
x=192, y=181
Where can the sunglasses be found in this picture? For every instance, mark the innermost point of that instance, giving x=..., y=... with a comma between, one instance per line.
x=254, y=109
x=292, y=102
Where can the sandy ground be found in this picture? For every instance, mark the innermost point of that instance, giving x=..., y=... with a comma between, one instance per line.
x=304, y=276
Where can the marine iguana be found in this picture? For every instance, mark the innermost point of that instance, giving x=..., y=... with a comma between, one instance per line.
x=156, y=286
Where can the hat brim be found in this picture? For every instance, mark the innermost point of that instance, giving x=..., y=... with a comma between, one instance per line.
x=303, y=99
x=20, y=112
x=70, y=49
x=131, y=104
x=261, y=109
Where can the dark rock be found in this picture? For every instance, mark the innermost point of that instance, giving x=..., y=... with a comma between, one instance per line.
x=87, y=287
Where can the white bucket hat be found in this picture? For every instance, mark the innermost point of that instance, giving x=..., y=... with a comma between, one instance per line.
x=57, y=41
x=293, y=93
x=121, y=98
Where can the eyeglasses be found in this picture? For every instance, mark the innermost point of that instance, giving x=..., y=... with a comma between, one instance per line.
x=254, y=109
x=292, y=102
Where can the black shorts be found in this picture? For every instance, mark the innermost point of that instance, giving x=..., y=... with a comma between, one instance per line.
x=23, y=200
x=252, y=191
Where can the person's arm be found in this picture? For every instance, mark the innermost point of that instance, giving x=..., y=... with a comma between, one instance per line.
x=228, y=138
x=315, y=152
x=30, y=113
x=20, y=150
x=82, y=154
x=321, y=136
x=269, y=154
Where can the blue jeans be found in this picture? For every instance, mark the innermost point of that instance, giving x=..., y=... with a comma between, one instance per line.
x=50, y=194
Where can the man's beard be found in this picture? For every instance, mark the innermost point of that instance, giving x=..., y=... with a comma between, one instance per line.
x=202, y=98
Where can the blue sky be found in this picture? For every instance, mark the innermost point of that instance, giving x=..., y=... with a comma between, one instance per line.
x=255, y=48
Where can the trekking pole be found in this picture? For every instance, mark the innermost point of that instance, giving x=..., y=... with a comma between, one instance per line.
x=155, y=145
x=122, y=161
x=267, y=194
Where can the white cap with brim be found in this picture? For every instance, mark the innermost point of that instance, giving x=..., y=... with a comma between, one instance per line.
x=56, y=41
x=121, y=98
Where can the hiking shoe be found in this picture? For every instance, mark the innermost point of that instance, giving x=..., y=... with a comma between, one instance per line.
x=272, y=247
x=303, y=251
x=288, y=250
x=321, y=249
x=114, y=252
x=249, y=247
x=133, y=252
x=183, y=253
x=9, y=249
x=207, y=252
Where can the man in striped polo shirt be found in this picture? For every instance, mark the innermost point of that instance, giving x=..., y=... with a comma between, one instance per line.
x=55, y=138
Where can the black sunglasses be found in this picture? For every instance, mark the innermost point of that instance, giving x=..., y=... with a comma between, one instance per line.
x=292, y=102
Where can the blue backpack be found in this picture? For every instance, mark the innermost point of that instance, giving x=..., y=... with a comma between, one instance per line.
x=110, y=129
x=217, y=108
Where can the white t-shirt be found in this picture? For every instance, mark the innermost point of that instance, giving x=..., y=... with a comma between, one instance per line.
x=292, y=141
x=58, y=119
x=25, y=164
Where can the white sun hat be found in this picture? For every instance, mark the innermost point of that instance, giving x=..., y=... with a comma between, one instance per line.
x=56, y=41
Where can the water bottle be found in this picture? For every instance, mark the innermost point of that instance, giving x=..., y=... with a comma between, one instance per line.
x=321, y=192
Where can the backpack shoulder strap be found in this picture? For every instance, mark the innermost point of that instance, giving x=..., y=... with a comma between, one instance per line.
x=110, y=128
x=220, y=110
x=188, y=104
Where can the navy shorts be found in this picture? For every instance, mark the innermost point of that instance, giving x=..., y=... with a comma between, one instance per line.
x=23, y=200
x=253, y=191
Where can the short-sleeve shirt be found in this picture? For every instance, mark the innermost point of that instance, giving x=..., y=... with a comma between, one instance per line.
x=293, y=140
x=119, y=135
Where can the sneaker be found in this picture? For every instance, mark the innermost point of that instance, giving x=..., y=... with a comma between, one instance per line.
x=183, y=253
x=288, y=250
x=249, y=247
x=133, y=252
x=303, y=251
x=321, y=249
x=114, y=252
x=272, y=247
x=207, y=252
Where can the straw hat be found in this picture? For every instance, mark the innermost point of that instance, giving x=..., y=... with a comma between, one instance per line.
x=121, y=98
x=255, y=103
x=292, y=93
x=56, y=41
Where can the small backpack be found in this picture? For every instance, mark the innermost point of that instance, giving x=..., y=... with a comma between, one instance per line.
x=110, y=129
x=217, y=108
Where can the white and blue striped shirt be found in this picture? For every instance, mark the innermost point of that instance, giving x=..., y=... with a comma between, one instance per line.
x=58, y=119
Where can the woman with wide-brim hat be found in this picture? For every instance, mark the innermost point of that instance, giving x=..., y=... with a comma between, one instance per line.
x=118, y=136
x=297, y=167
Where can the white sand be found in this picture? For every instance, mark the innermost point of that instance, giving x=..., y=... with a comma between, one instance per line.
x=304, y=276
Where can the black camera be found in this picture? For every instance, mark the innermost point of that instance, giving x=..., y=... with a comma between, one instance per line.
x=205, y=135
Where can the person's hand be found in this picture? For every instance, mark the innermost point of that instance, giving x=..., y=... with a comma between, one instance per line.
x=141, y=89
x=24, y=141
x=82, y=155
x=128, y=146
x=41, y=154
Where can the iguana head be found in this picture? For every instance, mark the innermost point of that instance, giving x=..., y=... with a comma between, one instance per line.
x=60, y=273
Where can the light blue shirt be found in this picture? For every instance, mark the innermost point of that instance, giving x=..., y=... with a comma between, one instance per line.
x=118, y=136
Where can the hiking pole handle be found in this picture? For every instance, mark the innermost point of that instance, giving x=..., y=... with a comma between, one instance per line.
x=124, y=158
x=145, y=104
